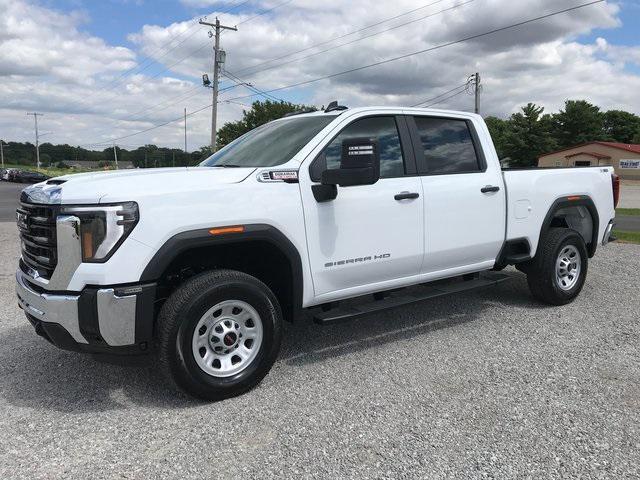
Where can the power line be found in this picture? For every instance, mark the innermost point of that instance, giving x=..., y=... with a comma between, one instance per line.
x=389, y=60
x=181, y=118
x=170, y=102
x=362, y=38
x=430, y=49
x=140, y=68
x=251, y=87
x=149, y=60
x=199, y=49
x=262, y=93
x=340, y=37
x=465, y=85
x=445, y=99
x=265, y=11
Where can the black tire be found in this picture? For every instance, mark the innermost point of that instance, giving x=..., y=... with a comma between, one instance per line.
x=180, y=315
x=541, y=271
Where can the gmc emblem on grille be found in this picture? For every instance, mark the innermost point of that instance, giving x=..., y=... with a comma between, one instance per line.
x=21, y=218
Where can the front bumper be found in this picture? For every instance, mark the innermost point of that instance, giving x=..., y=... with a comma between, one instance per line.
x=115, y=320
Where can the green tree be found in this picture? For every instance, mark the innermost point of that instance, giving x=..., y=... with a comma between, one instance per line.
x=579, y=122
x=621, y=126
x=259, y=114
x=527, y=136
x=45, y=159
x=636, y=138
x=498, y=129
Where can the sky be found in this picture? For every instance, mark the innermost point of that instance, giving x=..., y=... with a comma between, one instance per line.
x=113, y=71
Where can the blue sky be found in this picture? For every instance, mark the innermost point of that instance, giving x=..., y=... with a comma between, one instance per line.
x=55, y=61
x=629, y=33
x=113, y=20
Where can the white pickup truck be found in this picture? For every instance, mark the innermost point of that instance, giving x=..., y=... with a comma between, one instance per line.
x=200, y=266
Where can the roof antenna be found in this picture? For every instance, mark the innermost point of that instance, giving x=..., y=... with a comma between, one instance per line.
x=334, y=106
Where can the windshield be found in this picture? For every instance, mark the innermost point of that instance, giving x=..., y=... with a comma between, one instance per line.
x=271, y=144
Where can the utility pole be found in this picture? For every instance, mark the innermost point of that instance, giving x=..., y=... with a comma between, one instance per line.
x=1, y=154
x=115, y=155
x=218, y=60
x=477, y=89
x=185, y=129
x=35, y=117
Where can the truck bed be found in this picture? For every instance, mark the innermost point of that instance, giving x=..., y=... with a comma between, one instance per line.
x=531, y=192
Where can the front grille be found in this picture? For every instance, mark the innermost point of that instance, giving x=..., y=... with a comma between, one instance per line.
x=37, y=226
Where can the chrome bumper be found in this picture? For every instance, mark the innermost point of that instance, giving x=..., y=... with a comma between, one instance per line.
x=115, y=309
x=607, y=233
x=60, y=309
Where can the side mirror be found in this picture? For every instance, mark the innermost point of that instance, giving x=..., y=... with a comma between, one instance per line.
x=359, y=164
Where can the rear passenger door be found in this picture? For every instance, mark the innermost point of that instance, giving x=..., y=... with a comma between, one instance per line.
x=464, y=201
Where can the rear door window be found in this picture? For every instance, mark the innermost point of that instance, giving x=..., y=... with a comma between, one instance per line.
x=447, y=146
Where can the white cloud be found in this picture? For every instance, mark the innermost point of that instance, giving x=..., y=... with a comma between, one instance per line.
x=88, y=94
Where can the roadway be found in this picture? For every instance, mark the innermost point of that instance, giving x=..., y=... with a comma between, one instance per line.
x=9, y=194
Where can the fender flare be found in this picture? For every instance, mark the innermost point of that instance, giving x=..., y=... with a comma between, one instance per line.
x=190, y=239
x=574, y=201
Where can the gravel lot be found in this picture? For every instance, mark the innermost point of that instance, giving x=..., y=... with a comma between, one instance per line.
x=485, y=384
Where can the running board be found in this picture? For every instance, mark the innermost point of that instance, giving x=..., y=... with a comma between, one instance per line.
x=343, y=314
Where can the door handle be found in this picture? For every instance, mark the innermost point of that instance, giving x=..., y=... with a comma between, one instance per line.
x=406, y=196
x=489, y=189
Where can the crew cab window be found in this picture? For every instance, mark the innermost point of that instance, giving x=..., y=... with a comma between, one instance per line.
x=384, y=129
x=447, y=145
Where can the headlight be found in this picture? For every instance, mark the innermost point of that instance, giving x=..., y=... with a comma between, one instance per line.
x=103, y=228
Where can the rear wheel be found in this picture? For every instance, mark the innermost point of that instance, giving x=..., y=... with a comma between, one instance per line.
x=557, y=273
x=219, y=334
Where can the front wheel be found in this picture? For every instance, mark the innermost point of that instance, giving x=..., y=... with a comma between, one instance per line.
x=218, y=334
x=557, y=273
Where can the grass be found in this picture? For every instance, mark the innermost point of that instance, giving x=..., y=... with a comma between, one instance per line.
x=628, y=211
x=627, y=237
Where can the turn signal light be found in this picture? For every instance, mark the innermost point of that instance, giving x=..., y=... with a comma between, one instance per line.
x=223, y=230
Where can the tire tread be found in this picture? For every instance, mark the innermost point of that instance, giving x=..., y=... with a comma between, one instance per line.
x=541, y=270
x=171, y=315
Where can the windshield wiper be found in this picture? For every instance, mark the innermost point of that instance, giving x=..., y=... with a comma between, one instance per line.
x=228, y=165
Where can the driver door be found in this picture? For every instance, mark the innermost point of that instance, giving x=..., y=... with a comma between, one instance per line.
x=370, y=237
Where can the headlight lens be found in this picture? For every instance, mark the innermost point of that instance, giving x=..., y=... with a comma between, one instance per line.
x=103, y=228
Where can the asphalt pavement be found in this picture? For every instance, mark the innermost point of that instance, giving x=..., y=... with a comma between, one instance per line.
x=487, y=384
x=9, y=195
x=630, y=194
x=628, y=223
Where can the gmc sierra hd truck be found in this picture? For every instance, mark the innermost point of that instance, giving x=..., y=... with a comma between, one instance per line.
x=200, y=266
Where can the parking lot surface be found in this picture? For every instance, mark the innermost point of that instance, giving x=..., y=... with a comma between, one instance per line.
x=486, y=384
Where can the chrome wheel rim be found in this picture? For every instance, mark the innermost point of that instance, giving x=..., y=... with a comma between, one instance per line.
x=227, y=338
x=568, y=267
